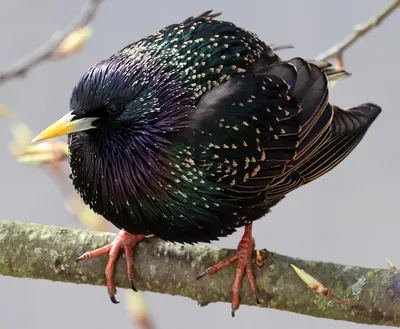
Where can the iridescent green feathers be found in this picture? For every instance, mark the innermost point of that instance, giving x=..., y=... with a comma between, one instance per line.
x=201, y=52
x=214, y=130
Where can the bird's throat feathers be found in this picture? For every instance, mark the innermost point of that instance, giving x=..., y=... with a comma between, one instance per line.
x=117, y=167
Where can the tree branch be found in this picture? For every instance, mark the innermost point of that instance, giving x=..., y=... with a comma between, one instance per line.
x=48, y=252
x=45, y=51
x=360, y=30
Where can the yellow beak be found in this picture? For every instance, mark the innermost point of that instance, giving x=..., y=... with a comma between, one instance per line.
x=65, y=125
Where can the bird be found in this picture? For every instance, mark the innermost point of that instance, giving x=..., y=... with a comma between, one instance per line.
x=198, y=130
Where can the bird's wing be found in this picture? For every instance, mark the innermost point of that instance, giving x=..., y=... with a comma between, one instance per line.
x=246, y=132
x=346, y=131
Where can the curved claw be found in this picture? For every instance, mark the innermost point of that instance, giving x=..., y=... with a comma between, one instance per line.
x=201, y=275
x=133, y=286
x=123, y=240
x=244, y=257
x=114, y=300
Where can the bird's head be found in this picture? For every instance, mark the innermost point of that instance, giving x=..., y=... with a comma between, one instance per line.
x=110, y=98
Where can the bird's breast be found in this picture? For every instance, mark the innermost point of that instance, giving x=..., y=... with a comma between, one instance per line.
x=156, y=195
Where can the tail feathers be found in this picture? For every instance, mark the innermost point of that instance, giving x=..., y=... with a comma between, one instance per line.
x=334, y=75
x=275, y=47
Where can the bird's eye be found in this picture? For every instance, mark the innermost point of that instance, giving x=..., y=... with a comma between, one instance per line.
x=115, y=107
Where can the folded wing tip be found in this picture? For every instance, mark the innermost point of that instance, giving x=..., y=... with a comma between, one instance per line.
x=371, y=110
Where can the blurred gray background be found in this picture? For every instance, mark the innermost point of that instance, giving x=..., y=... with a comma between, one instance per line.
x=349, y=216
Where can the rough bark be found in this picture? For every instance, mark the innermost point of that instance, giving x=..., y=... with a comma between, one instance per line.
x=48, y=252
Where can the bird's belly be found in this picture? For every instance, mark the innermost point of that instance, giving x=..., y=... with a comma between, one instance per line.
x=176, y=221
x=186, y=225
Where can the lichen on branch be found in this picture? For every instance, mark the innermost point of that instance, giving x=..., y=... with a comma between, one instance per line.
x=47, y=252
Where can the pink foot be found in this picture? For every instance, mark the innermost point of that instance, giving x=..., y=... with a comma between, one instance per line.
x=125, y=240
x=244, y=258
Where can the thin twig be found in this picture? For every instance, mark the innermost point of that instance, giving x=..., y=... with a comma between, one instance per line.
x=360, y=30
x=45, y=51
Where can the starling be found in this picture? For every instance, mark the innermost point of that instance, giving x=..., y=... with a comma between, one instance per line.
x=197, y=130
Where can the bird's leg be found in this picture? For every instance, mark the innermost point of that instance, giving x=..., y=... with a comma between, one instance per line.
x=125, y=240
x=244, y=257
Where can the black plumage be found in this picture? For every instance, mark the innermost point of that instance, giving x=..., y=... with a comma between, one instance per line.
x=201, y=128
